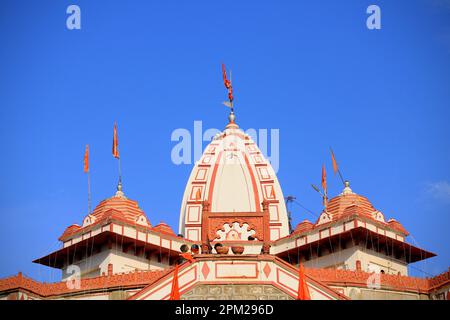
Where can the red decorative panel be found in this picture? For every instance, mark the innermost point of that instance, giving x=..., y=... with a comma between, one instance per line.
x=282, y=276
x=201, y=174
x=274, y=234
x=254, y=221
x=258, y=159
x=240, y=268
x=193, y=214
x=267, y=270
x=211, y=149
x=193, y=234
x=263, y=173
x=274, y=215
x=206, y=159
x=269, y=192
x=194, y=191
x=205, y=270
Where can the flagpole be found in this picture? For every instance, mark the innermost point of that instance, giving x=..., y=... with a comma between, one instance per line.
x=115, y=152
x=120, y=171
x=340, y=175
x=323, y=194
x=89, y=190
x=87, y=171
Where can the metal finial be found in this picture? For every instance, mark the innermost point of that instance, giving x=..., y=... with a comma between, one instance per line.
x=119, y=192
x=347, y=189
x=231, y=117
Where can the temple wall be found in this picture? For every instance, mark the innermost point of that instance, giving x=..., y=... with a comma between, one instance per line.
x=97, y=264
x=125, y=262
x=356, y=293
x=342, y=259
x=235, y=292
x=90, y=266
x=371, y=261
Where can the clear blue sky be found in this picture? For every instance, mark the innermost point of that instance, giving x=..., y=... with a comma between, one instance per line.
x=308, y=68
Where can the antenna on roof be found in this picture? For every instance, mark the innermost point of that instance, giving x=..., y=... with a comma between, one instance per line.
x=324, y=196
x=289, y=200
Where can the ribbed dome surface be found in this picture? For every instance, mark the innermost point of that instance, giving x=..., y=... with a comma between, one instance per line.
x=129, y=209
x=349, y=204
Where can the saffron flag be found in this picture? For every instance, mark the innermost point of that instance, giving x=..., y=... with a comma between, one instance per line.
x=303, y=291
x=333, y=159
x=86, y=159
x=188, y=256
x=324, y=180
x=175, y=291
x=226, y=82
x=324, y=186
x=115, y=147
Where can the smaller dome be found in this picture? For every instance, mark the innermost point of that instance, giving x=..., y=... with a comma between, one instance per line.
x=303, y=226
x=394, y=224
x=70, y=230
x=163, y=228
x=124, y=208
x=348, y=204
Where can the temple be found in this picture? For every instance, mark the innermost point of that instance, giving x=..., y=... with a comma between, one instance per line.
x=234, y=221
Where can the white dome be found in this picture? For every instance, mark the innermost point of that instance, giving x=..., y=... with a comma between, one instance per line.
x=233, y=177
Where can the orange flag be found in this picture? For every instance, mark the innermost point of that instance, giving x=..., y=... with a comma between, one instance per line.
x=175, y=291
x=188, y=256
x=226, y=82
x=324, y=180
x=115, y=147
x=324, y=186
x=303, y=291
x=333, y=159
x=86, y=159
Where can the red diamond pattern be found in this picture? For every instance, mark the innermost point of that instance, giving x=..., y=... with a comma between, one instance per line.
x=205, y=270
x=267, y=270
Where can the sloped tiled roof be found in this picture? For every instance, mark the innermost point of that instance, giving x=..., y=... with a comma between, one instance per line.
x=303, y=226
x=122, y=280
x=164, y=228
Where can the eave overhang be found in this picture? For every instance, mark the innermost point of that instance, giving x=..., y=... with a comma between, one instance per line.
x=357, y=235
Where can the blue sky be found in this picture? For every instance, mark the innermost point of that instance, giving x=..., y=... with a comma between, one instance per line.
x=311, y=69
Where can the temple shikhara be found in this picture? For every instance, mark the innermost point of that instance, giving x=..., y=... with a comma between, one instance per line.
x=234, y=241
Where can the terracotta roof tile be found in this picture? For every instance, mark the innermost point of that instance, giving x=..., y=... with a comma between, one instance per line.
x=123, y=280
x=303, y=226
x=164, y=228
